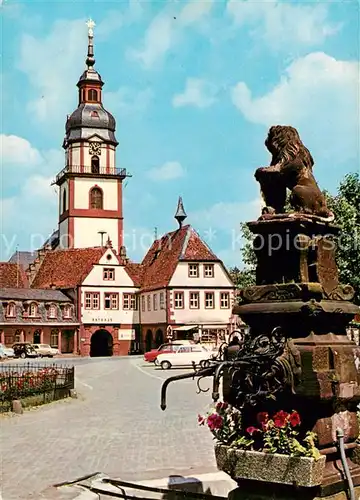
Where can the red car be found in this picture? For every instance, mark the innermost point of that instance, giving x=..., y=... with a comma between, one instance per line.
x=150, y=356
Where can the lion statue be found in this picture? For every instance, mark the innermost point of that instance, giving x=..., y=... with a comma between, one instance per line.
x=290, y=168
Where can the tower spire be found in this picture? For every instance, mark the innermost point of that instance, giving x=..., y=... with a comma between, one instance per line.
x=180, y=215
x=90, y=60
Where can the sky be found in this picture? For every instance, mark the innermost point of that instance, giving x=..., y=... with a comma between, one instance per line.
x=194, y=87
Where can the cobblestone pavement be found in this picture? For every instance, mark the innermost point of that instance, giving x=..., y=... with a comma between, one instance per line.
x=115, y=426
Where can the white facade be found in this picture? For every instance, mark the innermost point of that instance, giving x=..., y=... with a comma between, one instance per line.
x=109, y=187
x=107, y=294
x=202, y=315
x=86, y=231
x=219, y=279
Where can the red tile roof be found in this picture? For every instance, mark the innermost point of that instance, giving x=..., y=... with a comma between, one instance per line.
x=160, y=262
x=66, y=268
x=12, y=275
x=135, y=272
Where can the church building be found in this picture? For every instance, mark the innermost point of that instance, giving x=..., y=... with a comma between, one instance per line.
x=96, y=301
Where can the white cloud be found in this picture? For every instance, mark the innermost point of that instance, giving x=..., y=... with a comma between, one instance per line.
x=194, y=11
x=318, y=94
x=197, y=93
x=157, y=40
x=169, y=171
x=53, y=65
x=128, y=100
x=28, y=217
x=226, y=216
x=17, y=150
x=280, y=24
x=29, y=202
x=166, y=28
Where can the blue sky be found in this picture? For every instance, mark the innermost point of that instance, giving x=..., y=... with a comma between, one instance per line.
x=194, y=86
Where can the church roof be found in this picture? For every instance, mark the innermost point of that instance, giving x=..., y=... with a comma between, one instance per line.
x=91, y=119
x=66, y=268
x=23, y=258
x=12, y=275
x=160, y=262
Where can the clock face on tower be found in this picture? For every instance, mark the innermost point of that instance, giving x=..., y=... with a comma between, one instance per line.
x=95, y=148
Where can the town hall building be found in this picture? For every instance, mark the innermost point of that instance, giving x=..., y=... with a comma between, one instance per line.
x=93, y=300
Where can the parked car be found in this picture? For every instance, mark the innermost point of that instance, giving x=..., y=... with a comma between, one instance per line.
x=150, y=356
x=185, y=355
x=45, y=350
x=24, y=350
x=6, y=352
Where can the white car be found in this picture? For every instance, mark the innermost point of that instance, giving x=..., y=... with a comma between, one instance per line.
x=185, y=355
x=6, y=352
x=44, y=350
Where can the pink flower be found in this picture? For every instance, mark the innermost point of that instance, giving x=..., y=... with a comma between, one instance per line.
x=215, y=421
x=251, y=430
x=201, y=420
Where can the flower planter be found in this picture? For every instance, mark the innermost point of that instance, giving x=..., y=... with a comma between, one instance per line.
x=272, y=468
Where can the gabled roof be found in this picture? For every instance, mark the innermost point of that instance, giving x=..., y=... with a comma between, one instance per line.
x=66, y=268
x=160, y=262
x=33, y=294
x=135, y=272
x=12, y=275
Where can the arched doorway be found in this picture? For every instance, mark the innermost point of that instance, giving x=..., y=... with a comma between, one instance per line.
x=148, y=341
x=101, y=344
x=159, y=337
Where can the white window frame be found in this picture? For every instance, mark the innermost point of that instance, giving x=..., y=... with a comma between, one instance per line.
x=191, y=300
x=178, y=300
x=193, y=270
x=209, y=270
x=209, y=295
x=226, y=296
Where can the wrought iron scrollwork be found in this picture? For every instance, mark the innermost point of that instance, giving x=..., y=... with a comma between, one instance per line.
x=261, y=367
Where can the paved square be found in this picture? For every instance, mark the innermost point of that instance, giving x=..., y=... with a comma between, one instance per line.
x=116, y=427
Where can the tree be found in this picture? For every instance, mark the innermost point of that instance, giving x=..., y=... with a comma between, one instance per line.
x=243, y=278
x=346, y=207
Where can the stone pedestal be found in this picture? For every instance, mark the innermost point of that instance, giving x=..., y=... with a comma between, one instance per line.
x=298, y=290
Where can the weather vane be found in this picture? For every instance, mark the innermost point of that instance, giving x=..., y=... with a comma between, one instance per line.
x=90, y=24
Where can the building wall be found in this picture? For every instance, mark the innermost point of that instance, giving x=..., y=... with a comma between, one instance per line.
x=86, y=231
x=83, y=185
x=74, y=154
x=152, y=316
x=201, y=315
x=120, y=345
x=181, y=276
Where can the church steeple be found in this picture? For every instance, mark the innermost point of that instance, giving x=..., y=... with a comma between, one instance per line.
x=90, y=82
x=90, y=184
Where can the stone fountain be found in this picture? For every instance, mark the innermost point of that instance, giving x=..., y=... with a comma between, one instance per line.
x=297, y=350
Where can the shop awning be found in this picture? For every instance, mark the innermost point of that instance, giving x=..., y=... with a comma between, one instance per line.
x=184, y=328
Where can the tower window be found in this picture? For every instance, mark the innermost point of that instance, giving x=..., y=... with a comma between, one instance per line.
x=95, y=165
x=96, y=198
x=64, y=200
x=92, y=95
x=94, y=114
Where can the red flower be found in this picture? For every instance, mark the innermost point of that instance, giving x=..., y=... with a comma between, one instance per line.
x=280, y=419
x=214, y=421
x=262, y=417
x=221, y=406
x=251, y=430
x=294, y=419
x=201, y=420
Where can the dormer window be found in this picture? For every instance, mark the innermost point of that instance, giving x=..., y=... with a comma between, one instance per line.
x=92, y=95
x=52, y=311
x=67, y=312
x=33, y=310
x=10, y=310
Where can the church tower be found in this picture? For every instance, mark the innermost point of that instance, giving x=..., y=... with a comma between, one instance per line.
x=90, y=185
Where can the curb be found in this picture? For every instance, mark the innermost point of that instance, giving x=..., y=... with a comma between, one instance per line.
x=215, y=483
